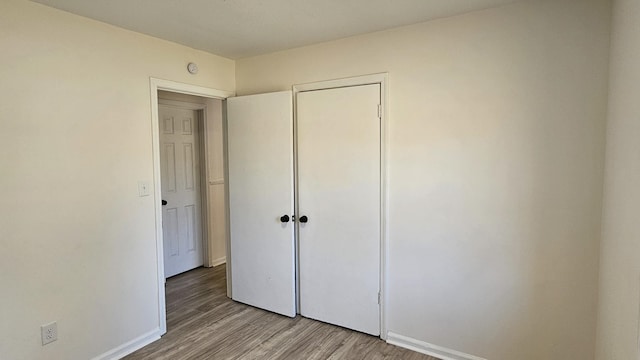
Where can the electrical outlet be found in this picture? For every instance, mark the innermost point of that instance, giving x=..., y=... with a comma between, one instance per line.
x=49, y=333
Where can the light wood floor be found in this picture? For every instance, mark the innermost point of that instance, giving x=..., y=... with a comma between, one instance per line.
x=202, y=323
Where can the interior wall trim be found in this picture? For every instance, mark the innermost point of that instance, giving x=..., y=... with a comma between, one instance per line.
x=131, y=346
x=428, y=349
x=219, y=261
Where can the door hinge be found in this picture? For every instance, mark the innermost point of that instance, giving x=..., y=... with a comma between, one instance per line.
x=379, y=111
x=378, y=298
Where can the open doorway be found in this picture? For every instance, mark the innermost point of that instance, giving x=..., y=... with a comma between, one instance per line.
x=194, y=117
x=192, y=182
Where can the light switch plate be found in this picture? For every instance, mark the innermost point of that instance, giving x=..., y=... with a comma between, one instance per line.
x=144, y=189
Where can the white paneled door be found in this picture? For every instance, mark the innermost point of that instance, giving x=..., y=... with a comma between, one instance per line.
x=260, y=162
x=338, y=142
x=181, y=217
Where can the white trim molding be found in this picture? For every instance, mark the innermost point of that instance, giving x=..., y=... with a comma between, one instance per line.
x=428, y=349
x=131, y=346
x=182, y=88
x=219, y=261
x=344, y=82
x=182, y=104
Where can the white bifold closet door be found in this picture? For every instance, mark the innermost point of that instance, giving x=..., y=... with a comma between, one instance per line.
x=338, y=219
x=260, y=161
x=338, y=142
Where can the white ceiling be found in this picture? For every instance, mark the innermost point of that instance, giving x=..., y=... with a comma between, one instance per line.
x=241, y=28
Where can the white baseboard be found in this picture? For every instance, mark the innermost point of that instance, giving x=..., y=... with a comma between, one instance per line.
x=129, y=347
x=428, y=349
x=219, y=261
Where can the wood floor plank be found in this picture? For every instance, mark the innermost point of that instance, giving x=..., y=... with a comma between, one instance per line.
x=202, y=323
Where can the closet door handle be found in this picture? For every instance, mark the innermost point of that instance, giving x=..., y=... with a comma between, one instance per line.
x=164, y=202
x=284, y=218
x=303, y=219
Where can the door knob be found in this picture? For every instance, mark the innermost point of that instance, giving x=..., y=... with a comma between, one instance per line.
x=284, y=218
x=164, y=202
x=303, y=219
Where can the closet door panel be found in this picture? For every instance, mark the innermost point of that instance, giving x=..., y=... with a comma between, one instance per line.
x=338, y=143
x=260, y=160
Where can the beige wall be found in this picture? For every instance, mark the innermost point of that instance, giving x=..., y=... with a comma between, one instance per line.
x=78, y=244
x=620, y=251
x=495, y=171
x=496, y=161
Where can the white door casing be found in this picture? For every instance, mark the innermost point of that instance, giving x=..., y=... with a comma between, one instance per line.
x=339, y=191
x=260, y=172
x=181, y=216
x=156, y=85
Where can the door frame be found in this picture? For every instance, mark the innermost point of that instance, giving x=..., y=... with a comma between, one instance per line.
x=382, y=80
x=156, y=84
